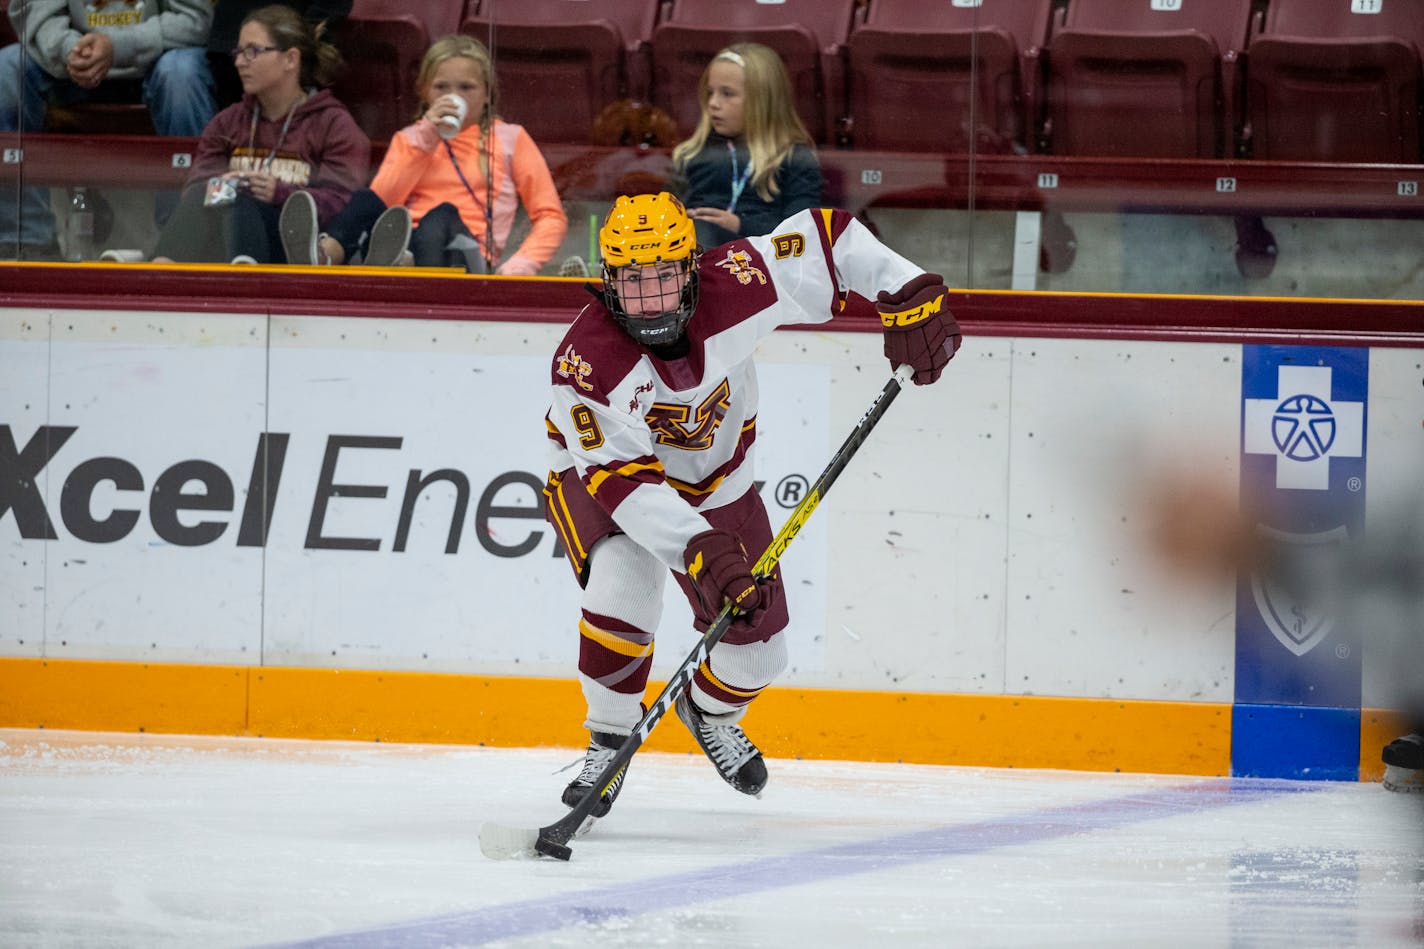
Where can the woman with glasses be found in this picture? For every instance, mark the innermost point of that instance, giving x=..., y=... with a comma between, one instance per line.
x=288, y=134
x=228, y=17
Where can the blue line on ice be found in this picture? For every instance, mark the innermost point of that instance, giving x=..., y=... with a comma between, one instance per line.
x=628, y=899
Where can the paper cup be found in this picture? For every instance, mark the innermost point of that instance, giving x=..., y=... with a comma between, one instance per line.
x=449, y=125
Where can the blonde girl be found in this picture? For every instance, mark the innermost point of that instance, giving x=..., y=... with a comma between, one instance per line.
x=463, y=191
x=750, y=163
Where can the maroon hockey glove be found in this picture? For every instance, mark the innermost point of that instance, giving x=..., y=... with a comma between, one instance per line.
x=718, y=567
x=920, y=332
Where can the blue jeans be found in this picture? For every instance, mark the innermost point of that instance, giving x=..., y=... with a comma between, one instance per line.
x=178, y=91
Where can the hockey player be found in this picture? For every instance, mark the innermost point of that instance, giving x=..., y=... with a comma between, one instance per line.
x=653, y=425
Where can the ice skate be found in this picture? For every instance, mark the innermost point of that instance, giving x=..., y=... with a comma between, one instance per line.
x=602, y=746
x=1404, y=764
x=737, y=760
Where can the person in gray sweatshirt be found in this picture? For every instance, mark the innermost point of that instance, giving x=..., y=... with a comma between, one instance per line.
x=105, y=50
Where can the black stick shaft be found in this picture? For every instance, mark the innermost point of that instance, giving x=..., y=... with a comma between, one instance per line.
x=561, y=830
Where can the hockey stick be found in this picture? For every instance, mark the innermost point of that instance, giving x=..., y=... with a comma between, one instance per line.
x=500, y=842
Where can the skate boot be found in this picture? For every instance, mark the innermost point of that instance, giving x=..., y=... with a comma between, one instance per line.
x=728, y=748
x=602, y=746
x=1404, y=763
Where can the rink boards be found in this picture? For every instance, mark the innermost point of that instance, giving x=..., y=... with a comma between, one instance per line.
x=326, y=527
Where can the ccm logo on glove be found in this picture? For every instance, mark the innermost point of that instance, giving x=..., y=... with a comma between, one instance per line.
x=920, y=332
x=915, y=315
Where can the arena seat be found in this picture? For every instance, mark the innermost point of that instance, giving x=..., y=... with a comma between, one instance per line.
x=810, y=36
x=1146, y=79
x=561, y=62
x=1328, y=81
x=383, y=42
x=909, y=75
x=1153, y=79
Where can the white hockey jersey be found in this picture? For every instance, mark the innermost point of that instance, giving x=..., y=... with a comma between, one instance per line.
x=655, y=440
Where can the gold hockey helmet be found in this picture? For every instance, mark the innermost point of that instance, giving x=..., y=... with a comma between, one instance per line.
x=647, y=230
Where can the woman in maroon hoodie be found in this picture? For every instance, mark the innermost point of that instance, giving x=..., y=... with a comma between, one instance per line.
x=285, y=135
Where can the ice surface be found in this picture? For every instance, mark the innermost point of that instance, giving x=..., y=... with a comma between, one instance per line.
x=155, y=841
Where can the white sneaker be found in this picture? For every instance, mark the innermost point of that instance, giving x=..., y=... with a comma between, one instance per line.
x=390, y=236
x=244, y=259
x=298, y=227
x=123, y=256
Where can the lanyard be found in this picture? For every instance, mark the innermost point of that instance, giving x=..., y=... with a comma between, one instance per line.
x=487, y=248
x=738, y=183
x=450, y=150
x=281, y=136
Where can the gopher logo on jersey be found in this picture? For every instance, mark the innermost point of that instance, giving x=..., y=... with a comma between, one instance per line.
x=788, y=245
x=572, y=366
x=739, y=264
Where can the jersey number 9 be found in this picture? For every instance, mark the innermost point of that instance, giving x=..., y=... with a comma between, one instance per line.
x=589, y=435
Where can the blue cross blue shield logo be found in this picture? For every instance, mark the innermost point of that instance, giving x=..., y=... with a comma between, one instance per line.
x=1303, y=427
x=1303, y=460
x=1294, y=606
x=1299, y=676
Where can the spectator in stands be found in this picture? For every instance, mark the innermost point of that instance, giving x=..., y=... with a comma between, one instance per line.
x=461, y=186
x=228, y=17
x=750, y=164
x=72, y=52
x=287, y=134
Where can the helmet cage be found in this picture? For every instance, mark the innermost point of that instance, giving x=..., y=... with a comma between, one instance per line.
x=653, y=330
x=647, y=230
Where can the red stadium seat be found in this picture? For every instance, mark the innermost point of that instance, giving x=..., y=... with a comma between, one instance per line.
x=1336, y=80
x=1345, y=18
x=1154, y=79
x=561, y=62
x=810, y=36
x=1149, y=78
x=910, y=67
x=383, y=42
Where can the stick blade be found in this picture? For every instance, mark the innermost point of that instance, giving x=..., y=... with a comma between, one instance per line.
x=499, y=842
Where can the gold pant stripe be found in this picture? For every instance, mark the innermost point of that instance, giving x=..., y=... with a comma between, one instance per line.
x=571, y=538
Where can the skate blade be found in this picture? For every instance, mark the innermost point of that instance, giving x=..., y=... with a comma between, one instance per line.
x=586, y=826
x=499, y=842
x=1403, y=780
